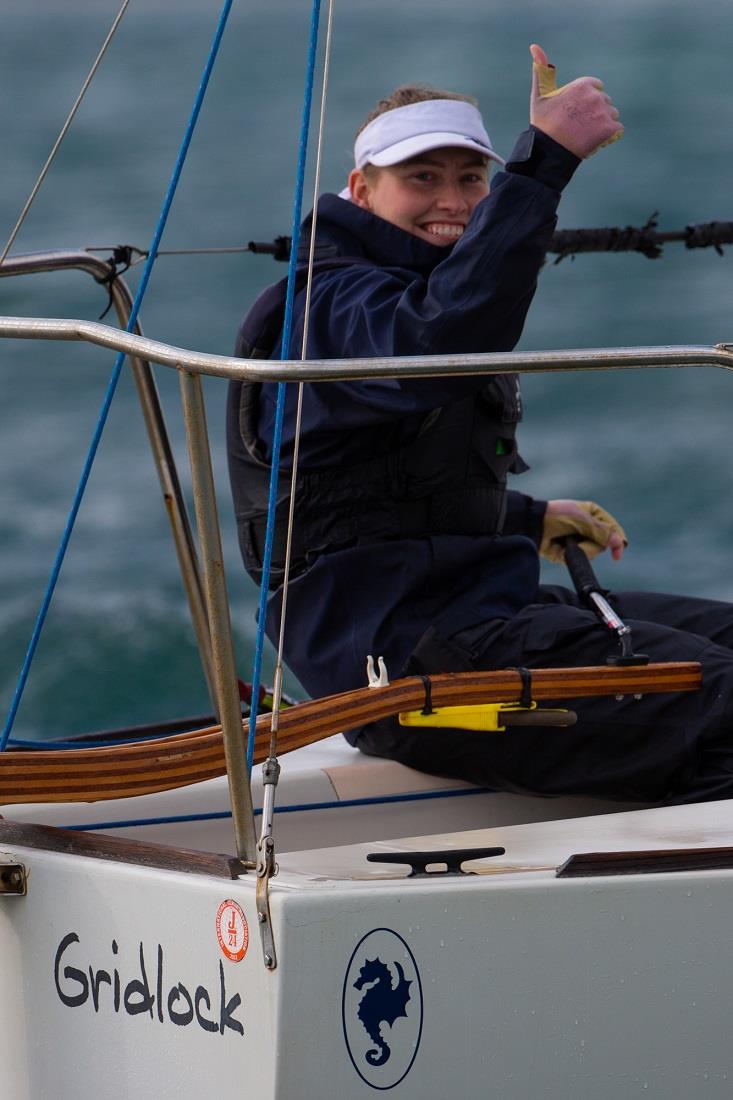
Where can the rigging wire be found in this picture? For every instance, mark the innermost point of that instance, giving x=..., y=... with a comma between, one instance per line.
x=278, y=683
x=64, y=130
x=645, y=239
x=281, y=389
x=117, y=370
x=271, y=767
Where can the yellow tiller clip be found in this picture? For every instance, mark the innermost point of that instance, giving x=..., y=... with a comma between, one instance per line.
x=480, y=716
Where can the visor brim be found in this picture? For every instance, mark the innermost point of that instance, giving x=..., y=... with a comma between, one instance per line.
x=424, y=143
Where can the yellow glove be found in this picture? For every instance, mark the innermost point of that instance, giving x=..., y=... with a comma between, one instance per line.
x=579, y=116
x=596, y=528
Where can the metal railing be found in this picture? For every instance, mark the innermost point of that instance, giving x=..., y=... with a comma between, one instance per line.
x=193, y=364
x=339, y=370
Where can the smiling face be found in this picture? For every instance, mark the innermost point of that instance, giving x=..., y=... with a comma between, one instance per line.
x=432, y=195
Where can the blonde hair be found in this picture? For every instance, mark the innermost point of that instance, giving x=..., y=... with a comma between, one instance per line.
x=407, y=94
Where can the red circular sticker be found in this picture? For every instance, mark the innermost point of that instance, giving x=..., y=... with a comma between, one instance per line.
x=232, y=930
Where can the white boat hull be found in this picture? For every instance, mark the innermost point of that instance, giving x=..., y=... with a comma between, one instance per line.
x=522, y=983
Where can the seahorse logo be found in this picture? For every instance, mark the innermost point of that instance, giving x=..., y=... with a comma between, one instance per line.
x=381, y=1004
x=382, y=1008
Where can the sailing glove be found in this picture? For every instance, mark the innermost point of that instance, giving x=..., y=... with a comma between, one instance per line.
x=592, y=524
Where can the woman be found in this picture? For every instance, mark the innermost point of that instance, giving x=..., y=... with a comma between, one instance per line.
x=406, y=542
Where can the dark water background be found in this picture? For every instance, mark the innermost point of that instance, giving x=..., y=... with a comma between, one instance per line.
x=653, y=447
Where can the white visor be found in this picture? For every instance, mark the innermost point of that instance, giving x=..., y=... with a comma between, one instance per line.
x=408, y=131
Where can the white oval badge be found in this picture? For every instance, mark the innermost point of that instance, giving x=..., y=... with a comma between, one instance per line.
x=382, y=1008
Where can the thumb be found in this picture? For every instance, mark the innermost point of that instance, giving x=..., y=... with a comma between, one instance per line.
x=538, y=54
x=543, y=73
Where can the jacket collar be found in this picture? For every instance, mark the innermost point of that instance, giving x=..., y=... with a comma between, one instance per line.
x=344, y=229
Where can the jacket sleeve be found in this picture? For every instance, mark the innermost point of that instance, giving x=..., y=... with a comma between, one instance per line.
x=476, y=300
x=524, y=516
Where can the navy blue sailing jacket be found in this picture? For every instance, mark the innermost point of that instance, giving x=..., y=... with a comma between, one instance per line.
x=407, y=297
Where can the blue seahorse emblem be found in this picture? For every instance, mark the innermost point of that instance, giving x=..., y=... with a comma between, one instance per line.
x=382, y=1003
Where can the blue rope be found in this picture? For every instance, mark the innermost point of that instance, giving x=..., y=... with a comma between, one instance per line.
x=376, y=800
x=281, y=389
x=112, y=385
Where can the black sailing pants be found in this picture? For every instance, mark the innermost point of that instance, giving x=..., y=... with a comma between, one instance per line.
x=661, y=748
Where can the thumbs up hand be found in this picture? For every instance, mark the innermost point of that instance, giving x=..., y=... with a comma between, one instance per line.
x=579, y=116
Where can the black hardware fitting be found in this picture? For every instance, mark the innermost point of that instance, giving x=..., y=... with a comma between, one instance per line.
x=526, y=696
x=13, y=879
x=279, y=249
x=120, y=262
x=428, y=706
x=626, y=660
x=593, y=864
x=420, y=861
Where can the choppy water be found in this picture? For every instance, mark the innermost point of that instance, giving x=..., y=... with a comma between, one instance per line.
x=652, y=447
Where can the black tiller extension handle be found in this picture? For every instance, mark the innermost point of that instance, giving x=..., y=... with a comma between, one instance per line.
x=594, y=596
x=581, y=570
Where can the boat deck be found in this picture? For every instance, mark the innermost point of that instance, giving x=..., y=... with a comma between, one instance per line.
x=545, y=846
x=327, y=791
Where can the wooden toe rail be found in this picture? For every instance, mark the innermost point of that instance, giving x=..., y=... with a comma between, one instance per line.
x=91, y=775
